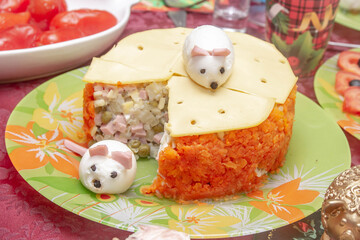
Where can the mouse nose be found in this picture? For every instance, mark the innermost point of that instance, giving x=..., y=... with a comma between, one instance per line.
x=97, y=184
x=214, y=85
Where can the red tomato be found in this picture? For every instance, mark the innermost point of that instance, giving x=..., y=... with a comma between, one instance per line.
x=19, y=36
x=352, y=101
x=14, y=6
x=350, y=61
x=42, y=11
x=8, y=19
x=342, y=80
x=43, y=25
x=59, y=35
x=86, y=20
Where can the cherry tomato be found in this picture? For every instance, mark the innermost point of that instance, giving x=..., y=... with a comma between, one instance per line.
x=350, y=61
x=343, y=79
x=59, y=35
x=13, y=6
x=86, y=20
x=43, y=24
x=8, y=19
x=42, y=11
x=351, y=102
x=19, y=36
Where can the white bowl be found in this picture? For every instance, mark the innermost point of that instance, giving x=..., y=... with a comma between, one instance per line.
x=31, y=63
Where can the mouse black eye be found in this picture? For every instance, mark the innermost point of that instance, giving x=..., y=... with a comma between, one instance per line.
x=97, y=184
x=202, y=71
x=93, y=167
x=222, y=70
x=113, y=174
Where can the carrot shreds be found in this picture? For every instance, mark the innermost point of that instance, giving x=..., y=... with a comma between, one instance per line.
x=88, y=110
x=210, y=166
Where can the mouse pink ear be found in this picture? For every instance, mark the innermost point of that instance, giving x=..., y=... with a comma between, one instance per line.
x=100, y=150
x=197, y=51
x=124, y=158
x=221, y=52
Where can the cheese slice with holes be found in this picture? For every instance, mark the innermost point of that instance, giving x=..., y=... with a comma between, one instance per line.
x=195, y=110
x=153, y=50
x=260, y=69
x=108, y=72
x=148, y=56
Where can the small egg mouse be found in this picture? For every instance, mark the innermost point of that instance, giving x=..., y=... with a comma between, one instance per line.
x=108, y=166
x=208, y=56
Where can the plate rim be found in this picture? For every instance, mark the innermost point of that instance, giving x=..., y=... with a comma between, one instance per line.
x=341, y=18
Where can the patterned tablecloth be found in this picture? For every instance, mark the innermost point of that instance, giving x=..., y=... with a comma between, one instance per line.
x=28, y=215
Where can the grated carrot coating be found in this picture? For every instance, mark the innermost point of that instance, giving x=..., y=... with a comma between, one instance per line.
x=213, y=166
x=88, y=110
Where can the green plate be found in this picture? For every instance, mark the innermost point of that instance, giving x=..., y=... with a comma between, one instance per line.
x=350, y=20
x=330, y=100
x=36, y=129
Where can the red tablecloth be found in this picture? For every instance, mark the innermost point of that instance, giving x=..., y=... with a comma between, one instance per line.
x=25, y=214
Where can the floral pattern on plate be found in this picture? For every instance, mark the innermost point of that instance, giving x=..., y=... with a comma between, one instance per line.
x=35, y=132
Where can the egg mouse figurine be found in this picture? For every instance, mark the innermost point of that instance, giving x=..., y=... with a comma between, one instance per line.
x=108, y=166
x=340, y=214
x=208, y=56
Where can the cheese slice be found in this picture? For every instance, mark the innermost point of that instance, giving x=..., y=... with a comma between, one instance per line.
x=178, y=69
x=260, y=68
x=195, y=110
x=102, y=71
x=156, y=55
x=153, y=50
